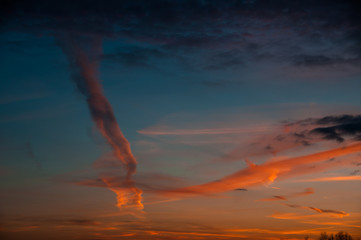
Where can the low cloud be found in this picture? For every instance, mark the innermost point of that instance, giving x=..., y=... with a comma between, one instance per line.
x=337, y=213
x=307, y=191
x=266, y=173
x=336, y=128
x=331, y=179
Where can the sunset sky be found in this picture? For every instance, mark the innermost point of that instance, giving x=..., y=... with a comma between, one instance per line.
x=187, y=119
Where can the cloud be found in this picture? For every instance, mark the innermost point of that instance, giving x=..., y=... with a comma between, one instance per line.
x=224, y=60
x=134, y=56
x=319, y=219
x=220, y=83
x=324, y=60
x=215, y=35
x=19, y=229
x=8, y=99
x=148, y=182
x=31, y=155
x=16, y=224
x=274, y=198
x=338, y=132
x=236, y=232
x=340, y=214
x=207, y=131
x=264, y=174
x=337, y=127
x=331, y=179
x=78, y=222
x=199, y=231
x=267, y=140
x=81, y=52
x=241, y=189
x=307, y=191
x=294, y=135
x=355, y=172
x=283, y=232
x=313, y=60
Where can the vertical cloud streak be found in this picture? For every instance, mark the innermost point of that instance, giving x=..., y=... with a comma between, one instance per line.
x=83, y=54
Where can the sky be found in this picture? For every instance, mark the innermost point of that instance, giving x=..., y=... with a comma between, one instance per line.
x=187, y=119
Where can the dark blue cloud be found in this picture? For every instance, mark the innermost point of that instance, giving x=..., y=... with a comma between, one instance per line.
x=336, y=128
x=204, y=35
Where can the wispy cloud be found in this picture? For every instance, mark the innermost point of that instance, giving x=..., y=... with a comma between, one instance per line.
x=318, y=219
x=209, y=131
x=331, y=179
x=283, y=232
x=307, y=191
x=30, y=152
x=337, y=213
x=337, y=128
x=81, y=53
x=7, y=99
x=265, y=173
x=245, y=35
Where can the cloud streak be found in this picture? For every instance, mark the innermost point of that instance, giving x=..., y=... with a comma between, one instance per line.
x=264, y=174
x=331, y=179
x=84, y=67
x=206, y=131
x=337, y=213
x=307, y=191
x=316, y=219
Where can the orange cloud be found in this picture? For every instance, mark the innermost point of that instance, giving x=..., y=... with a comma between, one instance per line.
x=307, y=191
x=313, y=219
x=274, y=198
x=19, y=229
x=331, y=179
x=85, y=76
x=292, y=216
x=337, y=213
x=263, y=174
x=215, y=233
x=283, y=232
x=126, y=196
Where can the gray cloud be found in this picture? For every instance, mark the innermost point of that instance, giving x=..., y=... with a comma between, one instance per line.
x=337, y=128
x=223, y=34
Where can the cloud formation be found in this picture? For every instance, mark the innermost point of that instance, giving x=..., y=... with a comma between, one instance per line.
x=337, y=128
x=80, y=53
x=331, y=179
x=248, y=32
x=265, y=173
x=206, y=131
x=307, y=191
x=337, y=213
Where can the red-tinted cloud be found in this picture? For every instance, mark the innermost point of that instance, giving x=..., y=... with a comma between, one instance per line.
x=307, y=191
x=81, y=54
x=265, y=173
